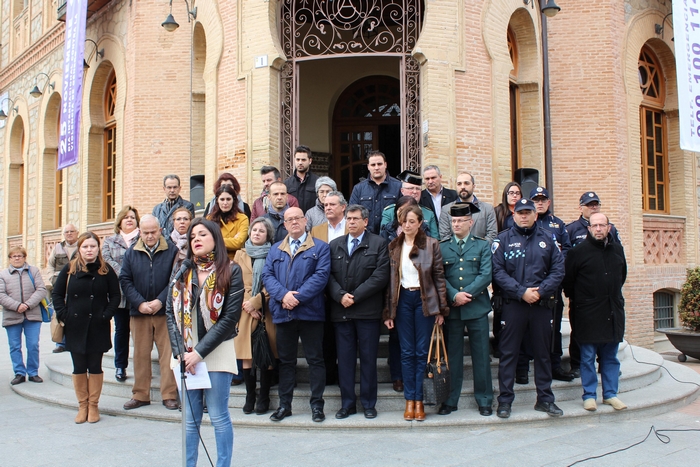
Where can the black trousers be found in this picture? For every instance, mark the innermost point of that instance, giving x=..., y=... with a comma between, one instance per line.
x=87, y=363
x=311, y=334
x=351, y=336
x=121, y=338
x=556, y=349
x=520, y=319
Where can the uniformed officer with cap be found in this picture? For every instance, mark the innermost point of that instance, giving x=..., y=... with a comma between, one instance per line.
x=551, y=223
x=588, y=204
x=527, y=271
x=467, y=261
x=411, y=186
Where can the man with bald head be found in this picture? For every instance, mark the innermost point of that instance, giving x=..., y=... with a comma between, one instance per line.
x=144, y=279
x=295, y=275
x=61, y=255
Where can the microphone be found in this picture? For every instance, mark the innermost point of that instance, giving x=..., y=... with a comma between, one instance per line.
x=186, y=265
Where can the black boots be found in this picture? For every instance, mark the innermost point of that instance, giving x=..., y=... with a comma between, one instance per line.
x=263, y=404
x=249, y=378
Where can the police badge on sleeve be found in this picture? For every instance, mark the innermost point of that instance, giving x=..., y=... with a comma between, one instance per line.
x=543, y=245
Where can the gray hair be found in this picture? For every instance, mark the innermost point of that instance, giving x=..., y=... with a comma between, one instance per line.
x=268, y=227
x=150, y=217
x=364, y=212
x=171, y=177
x=432, y=167
x=326, y=181
x=341, y=198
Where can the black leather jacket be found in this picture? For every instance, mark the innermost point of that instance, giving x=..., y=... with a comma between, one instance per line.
x=224, y=329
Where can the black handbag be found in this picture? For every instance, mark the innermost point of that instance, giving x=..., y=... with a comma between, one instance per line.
x=260, y=342
x=436, y=382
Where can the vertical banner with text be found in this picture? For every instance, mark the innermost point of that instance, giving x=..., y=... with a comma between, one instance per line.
x=686, y=30
x=72, y=96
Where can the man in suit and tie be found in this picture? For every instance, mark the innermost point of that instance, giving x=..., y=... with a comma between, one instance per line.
x=335, y=227
x=468, y=267
x=435, y=195
x=359, y=275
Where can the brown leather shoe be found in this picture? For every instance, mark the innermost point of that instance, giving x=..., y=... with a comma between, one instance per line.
x=135, y=404
x=398, y=385
x=420, y=411
x=171, y=404
x=409, y=413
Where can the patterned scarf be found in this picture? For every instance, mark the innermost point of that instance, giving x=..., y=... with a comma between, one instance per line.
x=180, y=240
x=210, y=299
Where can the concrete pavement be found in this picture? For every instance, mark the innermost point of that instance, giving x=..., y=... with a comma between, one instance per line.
x=33, y=434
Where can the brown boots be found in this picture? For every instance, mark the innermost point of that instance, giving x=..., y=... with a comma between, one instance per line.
x=94, y=391
x=414, y=411
x=80, y=384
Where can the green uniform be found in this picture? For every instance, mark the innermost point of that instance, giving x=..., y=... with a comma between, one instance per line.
x=468, y=269
x=388, y=216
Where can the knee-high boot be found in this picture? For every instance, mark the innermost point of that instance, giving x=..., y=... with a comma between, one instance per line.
x=94, y=392
x=80, y=384
x=249, y=378
x=263, y=404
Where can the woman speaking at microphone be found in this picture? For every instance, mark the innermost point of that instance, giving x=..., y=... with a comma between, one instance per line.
x=207, y=299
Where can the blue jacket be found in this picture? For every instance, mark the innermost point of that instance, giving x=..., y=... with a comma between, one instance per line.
x=578, y=231
x=144, y=278
x=375, y=198
x=552, y=223
x=307, y=273
x=525, y=258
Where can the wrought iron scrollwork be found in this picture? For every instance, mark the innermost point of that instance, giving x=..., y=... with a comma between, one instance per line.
x=411, y=116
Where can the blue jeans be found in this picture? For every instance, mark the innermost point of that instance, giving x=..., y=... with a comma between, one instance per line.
x=217, y=404
x=609, y=369
x=414, y=337
x=14, y=338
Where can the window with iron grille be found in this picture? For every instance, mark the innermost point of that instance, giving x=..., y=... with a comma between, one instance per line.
x=663, y=310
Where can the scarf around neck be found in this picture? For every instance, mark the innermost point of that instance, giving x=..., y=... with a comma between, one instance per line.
x=180, y=240
x=210, y=300
x=129, y=237
x=257, y=254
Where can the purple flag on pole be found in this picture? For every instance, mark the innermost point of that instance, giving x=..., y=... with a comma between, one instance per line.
x=76, y=16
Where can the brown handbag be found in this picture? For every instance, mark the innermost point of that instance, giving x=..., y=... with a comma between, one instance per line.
x=56, y=325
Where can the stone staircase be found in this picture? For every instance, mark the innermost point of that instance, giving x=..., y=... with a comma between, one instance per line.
x=644, y=387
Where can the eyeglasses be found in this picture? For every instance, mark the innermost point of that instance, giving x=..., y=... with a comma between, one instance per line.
x=17, y=257
x=293, y=220
x=539, y=200
x=599, y=226
x=513, y=193
x=594, y=204
x=181, y=219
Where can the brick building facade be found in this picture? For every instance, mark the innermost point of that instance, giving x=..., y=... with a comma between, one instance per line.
x=235, y=88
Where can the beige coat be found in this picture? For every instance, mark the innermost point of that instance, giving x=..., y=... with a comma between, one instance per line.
x=247, y=324
x=16, y=289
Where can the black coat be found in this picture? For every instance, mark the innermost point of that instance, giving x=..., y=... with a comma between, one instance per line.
x=365, y=275
x=145, y=278
x=595, y=274
x=86, y=307
x=426, y=200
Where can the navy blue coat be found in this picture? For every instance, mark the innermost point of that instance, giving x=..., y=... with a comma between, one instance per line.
x=144, y=278
x=525, y=258
x=375, y=198
x=578, y=231
x=552, y=223
x=307, y=273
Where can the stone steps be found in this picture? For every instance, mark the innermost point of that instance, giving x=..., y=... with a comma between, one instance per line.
x=644, y=388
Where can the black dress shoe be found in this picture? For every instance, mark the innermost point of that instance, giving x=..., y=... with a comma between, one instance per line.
x=345, y=413
x=397, y=385
x=280, y=414
x=486, y=410
x=18, y=379
x=561, y=375
x=58, y=349
x=522, y=379
x=317, y=415
x=550, y=408
x=503, y=410
x=371, y=413
x=575, y=372
x=120, y=375
x=446, y=409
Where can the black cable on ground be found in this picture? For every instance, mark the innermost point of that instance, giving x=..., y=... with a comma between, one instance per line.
x=659, y=366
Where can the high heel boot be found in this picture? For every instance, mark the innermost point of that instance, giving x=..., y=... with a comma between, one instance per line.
x=249, y=378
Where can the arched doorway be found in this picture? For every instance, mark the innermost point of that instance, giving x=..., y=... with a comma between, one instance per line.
x=367, y=116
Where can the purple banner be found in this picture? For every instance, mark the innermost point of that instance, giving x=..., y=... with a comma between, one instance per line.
x=72, y=95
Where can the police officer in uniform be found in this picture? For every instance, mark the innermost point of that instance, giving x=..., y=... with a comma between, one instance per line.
x=527, y=271
x=588, y=204
x=467, y=261
x=550, y=223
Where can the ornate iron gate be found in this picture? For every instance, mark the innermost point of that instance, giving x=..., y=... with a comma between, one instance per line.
x=315, y=29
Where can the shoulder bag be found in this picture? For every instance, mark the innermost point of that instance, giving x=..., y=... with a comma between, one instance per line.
x=260, y=342
x=46, y=306
x=56, y=325
x=436, y=382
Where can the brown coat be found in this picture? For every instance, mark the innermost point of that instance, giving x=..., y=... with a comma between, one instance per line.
x=320, y=231
x=427, y=259
x=247, y=324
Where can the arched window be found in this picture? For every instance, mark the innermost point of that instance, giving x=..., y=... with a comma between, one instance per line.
x=15, y=187
x=110, y=150
x=653, y=135
x=514, y=102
